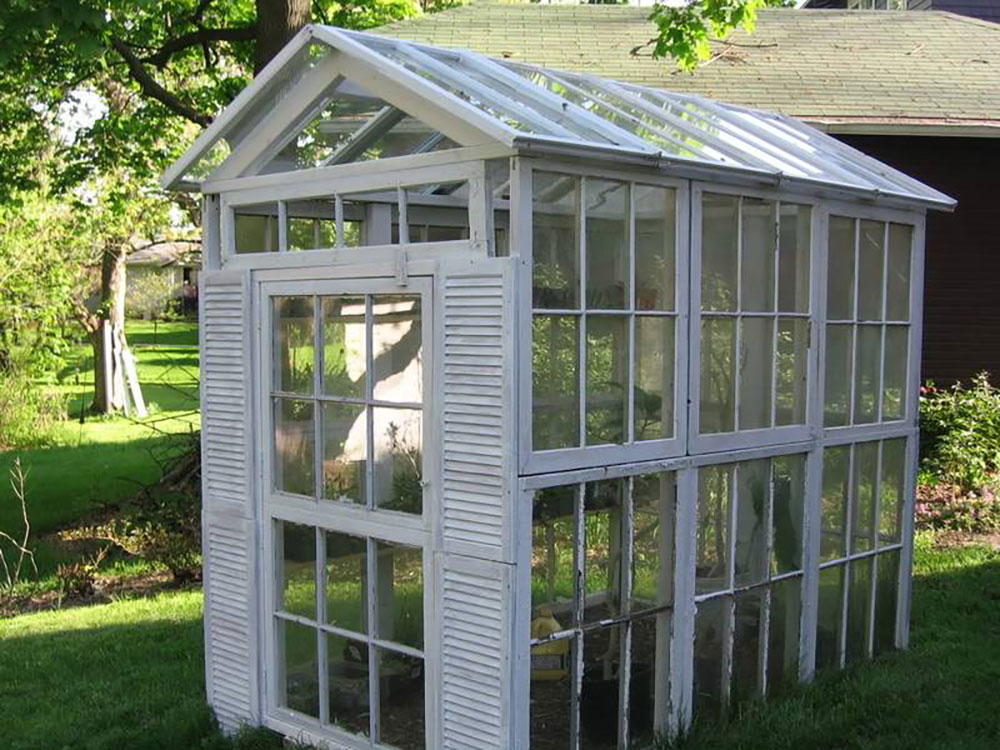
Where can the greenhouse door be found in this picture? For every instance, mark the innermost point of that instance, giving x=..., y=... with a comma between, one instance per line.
x=347, y=505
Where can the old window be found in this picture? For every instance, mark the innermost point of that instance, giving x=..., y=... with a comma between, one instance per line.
x=604, y=299
x=748, y=579
x=755, y=307
x=861, y=537
x=602, y=597
x=868, y=322
x=349, y=632
x=347, y=394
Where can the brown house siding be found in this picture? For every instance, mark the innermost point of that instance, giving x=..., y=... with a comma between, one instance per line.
x=962, y=281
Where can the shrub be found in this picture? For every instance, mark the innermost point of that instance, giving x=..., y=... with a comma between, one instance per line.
x=28, y=415
x=945, y=508
x=960, y=434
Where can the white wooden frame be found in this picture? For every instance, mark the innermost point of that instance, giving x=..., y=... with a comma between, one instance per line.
x=712, y=442
x=368, y=523
x=534, y=462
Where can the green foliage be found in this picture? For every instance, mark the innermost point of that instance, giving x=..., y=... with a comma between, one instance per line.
x=960, y=434
x=30, y=415
x=685, y=32
x=149, y=292
x=943, y=507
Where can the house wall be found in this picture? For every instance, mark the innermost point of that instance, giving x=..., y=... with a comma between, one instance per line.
x=961, y=303
x=986, y=10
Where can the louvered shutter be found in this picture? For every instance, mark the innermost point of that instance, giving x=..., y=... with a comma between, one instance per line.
x=475, y=596
x=228, y=529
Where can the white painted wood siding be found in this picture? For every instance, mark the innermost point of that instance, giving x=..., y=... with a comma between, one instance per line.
x=228, y=530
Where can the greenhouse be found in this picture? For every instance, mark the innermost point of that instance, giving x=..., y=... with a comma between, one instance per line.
x=541, y=410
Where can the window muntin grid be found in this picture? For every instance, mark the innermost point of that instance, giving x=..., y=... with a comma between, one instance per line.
x=348, y=627
x=602, y=597
x=860, y=544
x=755, y=313
x=347, y=395
x=604, y=300
x=868, y=321
x=748, y=579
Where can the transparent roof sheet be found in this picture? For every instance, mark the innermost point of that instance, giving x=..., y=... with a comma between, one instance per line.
x=522, y=104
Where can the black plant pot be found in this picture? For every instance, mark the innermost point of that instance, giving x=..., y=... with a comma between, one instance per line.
x=599, y=704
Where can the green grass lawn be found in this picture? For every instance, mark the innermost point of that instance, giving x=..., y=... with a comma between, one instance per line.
x=105, y=460
x=129, y=675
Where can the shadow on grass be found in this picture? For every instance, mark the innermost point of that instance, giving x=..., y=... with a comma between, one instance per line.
x=943, y=693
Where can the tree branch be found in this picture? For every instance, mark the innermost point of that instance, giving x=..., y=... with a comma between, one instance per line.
x=153, y=89
x=202, y=36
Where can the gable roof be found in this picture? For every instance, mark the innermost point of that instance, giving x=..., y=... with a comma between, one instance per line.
x=475, y=100
x=846, y=71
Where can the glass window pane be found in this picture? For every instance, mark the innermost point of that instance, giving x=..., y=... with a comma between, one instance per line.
x=555, y=370
x=300, y=668
x=297, y=592
x=791, y=378
x=714, y=489
x=892, y=489
x=552, y=557
x=296, y=344
x=746, y=646
x=555, y=241
x=650, y=676
x=871, y=262
x=347, y=683
x=603, y=506
x=400, y=594
x=396, y=348
x=865, y=484
x=345, y=451
x=829, y=616
x=896, y=361
x=839, y=374
x=898, y=284
x=836, y=474
x=719, y=251
x=756, y=358
x=310, y=233
x=600, y=689
x=753, y=496
x=255, y=228
x=551, y=702
x=709, y=626
x=653, y=392
x=346, y=577
x=344, y=359
x=840, y=269
x=859, y=609
x=607, y=378
x=398, y=459
x=783, y=634
x=886, y=600
x=789, y=475
x=718, y=382
x=867, y=374
x=294, y=447
x=794, y=242
x=652, y=541
x=607, y=244
x=655, y=254
x=759, y=241
x=401, y=698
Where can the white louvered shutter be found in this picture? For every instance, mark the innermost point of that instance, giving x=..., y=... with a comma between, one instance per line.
x=477, y=460
x=228, y=530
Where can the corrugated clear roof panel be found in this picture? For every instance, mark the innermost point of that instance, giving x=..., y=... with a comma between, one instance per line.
x=516, y=103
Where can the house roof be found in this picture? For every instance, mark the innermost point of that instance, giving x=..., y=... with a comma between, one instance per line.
x=471, y=100
x=846, y=71
x=184, y=253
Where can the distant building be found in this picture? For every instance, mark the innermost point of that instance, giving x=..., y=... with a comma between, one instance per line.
x=985, y=10
x=160, y=273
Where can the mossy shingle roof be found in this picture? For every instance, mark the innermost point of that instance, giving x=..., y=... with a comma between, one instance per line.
x=886, y=69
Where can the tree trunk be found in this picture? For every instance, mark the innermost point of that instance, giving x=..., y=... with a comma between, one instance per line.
x=277, y=22
x=110, y=397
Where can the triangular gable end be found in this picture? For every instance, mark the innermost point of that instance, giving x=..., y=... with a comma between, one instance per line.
x=325, y=99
